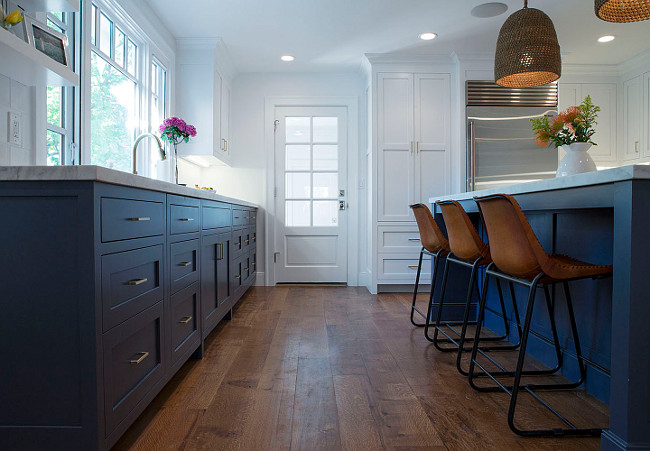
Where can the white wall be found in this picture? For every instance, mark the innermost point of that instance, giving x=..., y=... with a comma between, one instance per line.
x=247, y=179
x=17, y=98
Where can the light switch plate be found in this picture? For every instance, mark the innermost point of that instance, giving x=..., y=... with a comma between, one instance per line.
x=15, y=129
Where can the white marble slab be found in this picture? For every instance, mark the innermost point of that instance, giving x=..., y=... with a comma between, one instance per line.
x=633, y=172
x=104, y=175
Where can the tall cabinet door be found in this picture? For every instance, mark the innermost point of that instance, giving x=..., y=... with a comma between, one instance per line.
x=225, y=118
x=646, y=114
x=396, y=146
x=603, y=95
x=432, y=163
x=632, y=122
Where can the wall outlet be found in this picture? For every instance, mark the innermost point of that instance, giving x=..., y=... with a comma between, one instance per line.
x=15, y=129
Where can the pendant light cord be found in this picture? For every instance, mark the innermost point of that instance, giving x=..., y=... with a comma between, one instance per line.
x=525, y=3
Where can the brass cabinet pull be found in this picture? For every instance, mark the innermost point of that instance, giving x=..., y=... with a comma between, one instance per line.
x=184, y=263
x=411, y=146
x=186, y=219
x=237, y=217
x=223, y=145
x=254, y=238
x=238, y=243
x=414, y=239
x=246, y=269
x=143, y=355
x=413, y=266
x=253, y=264
x=219, y=251
x=185, y=320
x=246, y=241
x=144, y=218
x=636, y=146
x=417, y=146
x=237, y=277
x=136, y=281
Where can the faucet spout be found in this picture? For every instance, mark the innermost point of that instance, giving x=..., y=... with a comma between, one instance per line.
x=140, y=138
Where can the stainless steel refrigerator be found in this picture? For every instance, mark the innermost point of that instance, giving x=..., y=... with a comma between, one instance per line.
x=501, y=149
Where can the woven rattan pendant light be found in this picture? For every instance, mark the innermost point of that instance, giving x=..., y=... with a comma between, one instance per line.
x=623, y=10
x=528, y=53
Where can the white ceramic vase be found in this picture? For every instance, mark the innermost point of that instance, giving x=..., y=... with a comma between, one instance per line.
x=576, y=160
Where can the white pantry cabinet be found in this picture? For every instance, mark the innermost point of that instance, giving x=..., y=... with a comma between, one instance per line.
x=632, y=118
x=603, y=95
x=413, y=141
x=411, y=151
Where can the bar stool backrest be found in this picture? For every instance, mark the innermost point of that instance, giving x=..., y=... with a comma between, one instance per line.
x=464, y=241
x=514, y=246
x=431, y=236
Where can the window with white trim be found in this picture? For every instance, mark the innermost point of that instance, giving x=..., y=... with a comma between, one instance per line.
x=157, y=113
x=60, y=103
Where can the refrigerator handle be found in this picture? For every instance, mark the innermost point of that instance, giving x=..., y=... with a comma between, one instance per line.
x=471, y=159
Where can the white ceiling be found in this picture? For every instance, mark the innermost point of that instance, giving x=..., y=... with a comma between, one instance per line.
x=333, y=35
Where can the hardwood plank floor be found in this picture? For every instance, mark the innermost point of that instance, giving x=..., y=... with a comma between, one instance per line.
x=302, y=367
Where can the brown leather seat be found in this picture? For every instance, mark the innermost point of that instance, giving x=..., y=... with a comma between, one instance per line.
x=464, y=241
x=516, y=250
x=431, y=236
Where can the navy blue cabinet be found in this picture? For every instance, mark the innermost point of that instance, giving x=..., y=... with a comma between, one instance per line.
x=106, y=292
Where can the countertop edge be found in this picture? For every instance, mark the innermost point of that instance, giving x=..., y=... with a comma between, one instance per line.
x=613, y=175
x=100, y=174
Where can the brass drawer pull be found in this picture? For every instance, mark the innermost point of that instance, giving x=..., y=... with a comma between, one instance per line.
x=413, y=266
x=238, y=243
x=185, y=264
x=186, y=219
x=143, y=355
x=136, y=281
x=219, y=251
x=238, y=217
x=237, y=277
x=253, y=264
x=246, y=241
x=414, y=239
x=246, y=269
x=144, y=218
x=185, y=320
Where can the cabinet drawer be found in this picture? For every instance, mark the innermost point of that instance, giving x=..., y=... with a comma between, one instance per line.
x=131, y=282
x=215, y=215
x=240, y=217
x=133, y=363
x=402, y=268
x=184, y=320
x=398, y=239
x=246, y=239
x=183, y=219
x=237, y=243
x=236, y=274
x=252, y=216
x=184, y=264
x=124, y=219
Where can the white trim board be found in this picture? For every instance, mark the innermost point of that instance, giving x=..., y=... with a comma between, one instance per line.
x=352, y=105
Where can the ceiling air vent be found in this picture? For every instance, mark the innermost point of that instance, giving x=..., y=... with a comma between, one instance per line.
x=488, y=93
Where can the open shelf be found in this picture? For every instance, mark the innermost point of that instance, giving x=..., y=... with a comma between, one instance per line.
x=26, y=65
x=48, y=5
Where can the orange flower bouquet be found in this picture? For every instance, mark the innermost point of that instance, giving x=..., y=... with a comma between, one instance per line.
x=575, y=125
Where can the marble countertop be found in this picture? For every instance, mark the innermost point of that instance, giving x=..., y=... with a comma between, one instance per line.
x=104, y=175
x=633, y=172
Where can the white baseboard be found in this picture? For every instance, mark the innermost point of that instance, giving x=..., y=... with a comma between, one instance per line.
x=259, y=279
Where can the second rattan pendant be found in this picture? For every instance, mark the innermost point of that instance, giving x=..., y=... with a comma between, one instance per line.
x=528, y=52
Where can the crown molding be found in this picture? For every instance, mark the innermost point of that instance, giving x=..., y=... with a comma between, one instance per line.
x=612, y=70
x=396, y=58
x=197, y=43
x=639, y=61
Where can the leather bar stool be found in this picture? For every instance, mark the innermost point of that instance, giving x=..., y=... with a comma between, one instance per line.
x=518, y=257
x=467, y=249
x=435, y=245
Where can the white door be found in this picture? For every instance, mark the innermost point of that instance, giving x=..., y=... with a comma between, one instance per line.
x=311, y=187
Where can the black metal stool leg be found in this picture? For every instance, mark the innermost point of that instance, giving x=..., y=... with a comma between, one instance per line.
x=436, y=327
x=415, y=291
x=477, y=333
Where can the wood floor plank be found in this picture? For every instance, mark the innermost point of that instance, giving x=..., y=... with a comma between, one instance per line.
x=318, y=367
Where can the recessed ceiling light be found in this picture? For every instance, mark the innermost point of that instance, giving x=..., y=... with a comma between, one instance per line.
x=428, y=36
x=287, y=58
x=607, y=38
x=491, y=9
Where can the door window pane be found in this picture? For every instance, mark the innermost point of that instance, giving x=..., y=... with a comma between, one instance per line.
x=54, y=148
x=298, y=185
x=119, y=47
x=297, y=213
x=113, y=116
x=326, y=213
x=326, y=185
x=105, y=34
x=326, y=129
x=326, y=157
x=298, y=129
x=298, y=158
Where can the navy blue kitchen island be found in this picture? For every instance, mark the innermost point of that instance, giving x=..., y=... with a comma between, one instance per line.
x=603, y=218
